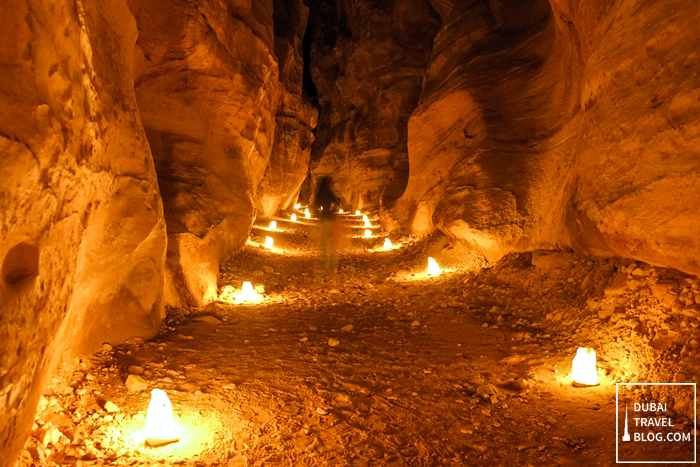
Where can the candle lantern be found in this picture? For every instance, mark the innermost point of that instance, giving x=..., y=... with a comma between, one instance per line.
x=583, y=368
x=161, y=427
x=433, y=268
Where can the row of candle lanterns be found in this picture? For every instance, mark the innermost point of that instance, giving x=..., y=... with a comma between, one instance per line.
x=161, y=427
x=584, y=364
x=340, y=211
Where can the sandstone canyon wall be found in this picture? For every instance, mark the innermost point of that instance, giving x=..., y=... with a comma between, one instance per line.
x=296, y=116
x=82, y=236
x=635, y=183
x=570, y=124
x=207, y=87
x=367, y=62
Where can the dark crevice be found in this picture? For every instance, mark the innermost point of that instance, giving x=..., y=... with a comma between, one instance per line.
x=308, y=83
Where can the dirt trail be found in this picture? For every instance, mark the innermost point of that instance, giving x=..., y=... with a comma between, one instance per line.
x=467, y=368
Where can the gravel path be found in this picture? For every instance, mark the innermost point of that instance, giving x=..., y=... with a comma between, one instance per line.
x=379, y=365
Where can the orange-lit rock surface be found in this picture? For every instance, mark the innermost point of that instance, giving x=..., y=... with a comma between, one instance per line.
x=296, y=117
x=367, y=61
x=207, y=89
x=635, y=182
x=560, y=125
x=82, y=237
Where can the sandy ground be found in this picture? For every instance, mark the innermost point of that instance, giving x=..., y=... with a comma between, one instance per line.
x=382, y=365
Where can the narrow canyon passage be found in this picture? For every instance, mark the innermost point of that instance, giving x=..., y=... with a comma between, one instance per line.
x=377, y=365
x=545, y=154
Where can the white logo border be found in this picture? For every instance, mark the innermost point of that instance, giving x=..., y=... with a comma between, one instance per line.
x=695, y=424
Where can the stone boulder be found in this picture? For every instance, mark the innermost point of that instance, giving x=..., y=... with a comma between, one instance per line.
x=82, y=235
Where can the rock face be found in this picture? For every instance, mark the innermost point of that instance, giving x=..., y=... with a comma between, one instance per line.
x=296, y=117
x=82, y=236
x=208, y=105
x=496, y=88
x=560, y=125
x=367, y=62
x=636, y=175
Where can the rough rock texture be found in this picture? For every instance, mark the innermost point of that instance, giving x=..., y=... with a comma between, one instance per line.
x=562, y=125
x=296, y=117
x=496, y=87
x=208, y=105
x=82, y=237
x=636, y=176
x=367, y=62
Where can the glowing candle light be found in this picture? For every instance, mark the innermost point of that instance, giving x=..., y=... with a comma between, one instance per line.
x=387, y=244
x=298, y=206
x=583, y=368
x=273, y=225
x=308, y=214
x=364, y=217
x=433, y=268
x=367, y=224
x=357, y=213
x=161, y=427
x=294, y=217
x=306, y=211
x=268, y=242
x=248, y=293
x=368, y=233
x=340, y=211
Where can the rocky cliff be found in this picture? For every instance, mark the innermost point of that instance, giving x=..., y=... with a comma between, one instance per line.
x=367, y=62
x=296, y=116
x=559, y=125
x=208, y=104
x=82, y=237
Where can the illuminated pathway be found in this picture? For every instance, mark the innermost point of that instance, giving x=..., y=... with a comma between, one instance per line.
x=377, y=366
